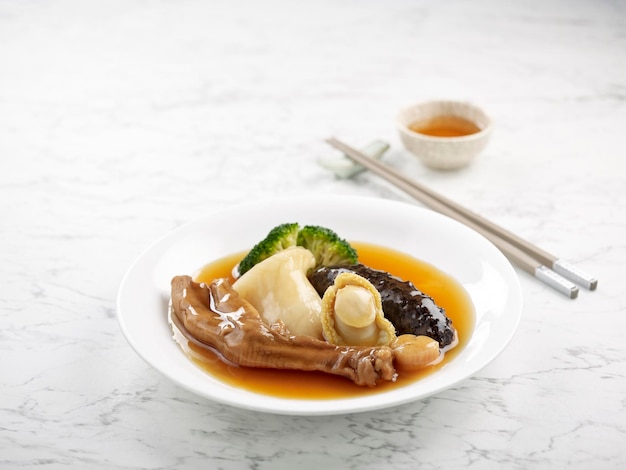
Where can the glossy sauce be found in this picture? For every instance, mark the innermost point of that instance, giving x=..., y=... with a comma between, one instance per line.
x=447, y=293
x=445, y=126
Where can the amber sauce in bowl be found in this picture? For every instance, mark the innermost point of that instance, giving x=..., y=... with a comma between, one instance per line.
x=445, y=126
x=447, y=293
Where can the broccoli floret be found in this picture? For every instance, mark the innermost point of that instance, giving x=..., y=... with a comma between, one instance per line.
x=327, y=247
x=279, y=238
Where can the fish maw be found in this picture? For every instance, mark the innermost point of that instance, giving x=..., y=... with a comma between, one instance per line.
x=279, y=290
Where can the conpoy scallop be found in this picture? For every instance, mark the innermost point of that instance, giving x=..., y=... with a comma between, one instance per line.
x=352, y=313
x=412, y=352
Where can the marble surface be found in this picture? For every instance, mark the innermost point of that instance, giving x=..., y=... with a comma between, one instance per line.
x=121, y=120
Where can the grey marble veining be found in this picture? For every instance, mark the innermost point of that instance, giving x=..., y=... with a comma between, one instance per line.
x=122, y=120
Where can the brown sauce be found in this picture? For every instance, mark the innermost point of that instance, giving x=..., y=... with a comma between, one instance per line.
x=447, y=292
x=445, y=126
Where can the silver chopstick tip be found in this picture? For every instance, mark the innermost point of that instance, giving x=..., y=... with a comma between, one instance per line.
x=575, y=274
x=556, y=281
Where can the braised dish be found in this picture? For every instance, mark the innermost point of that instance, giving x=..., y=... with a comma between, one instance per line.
x=483, y=273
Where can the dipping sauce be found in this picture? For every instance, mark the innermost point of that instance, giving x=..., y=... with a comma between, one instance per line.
x=445, y=126
x=447, y=293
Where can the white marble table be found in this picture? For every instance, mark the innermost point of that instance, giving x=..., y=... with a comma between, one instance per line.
x=122, y=120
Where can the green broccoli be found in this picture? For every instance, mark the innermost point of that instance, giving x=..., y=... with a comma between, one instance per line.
x=279, y=238
x=327, y=247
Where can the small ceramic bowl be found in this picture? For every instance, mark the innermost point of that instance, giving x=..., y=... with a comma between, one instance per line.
x=444, y=135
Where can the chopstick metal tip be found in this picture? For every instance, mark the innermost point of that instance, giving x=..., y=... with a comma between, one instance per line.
x=575, y=274
x=556, y=281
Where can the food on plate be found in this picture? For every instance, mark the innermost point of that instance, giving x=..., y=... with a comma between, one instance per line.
x=352, y=313
x=279, y=238
x=217, y=316
x=414, y=352
x=410, y=310
x=327, y=247
x=300, y=300
x=279, y=290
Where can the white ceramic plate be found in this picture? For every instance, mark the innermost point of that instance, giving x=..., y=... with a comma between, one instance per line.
x=453, y=248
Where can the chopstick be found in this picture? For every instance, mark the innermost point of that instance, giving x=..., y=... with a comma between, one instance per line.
x=537, y=262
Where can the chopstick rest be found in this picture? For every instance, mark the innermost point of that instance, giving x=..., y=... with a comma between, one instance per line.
x=530, y=258
x=345, y=167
